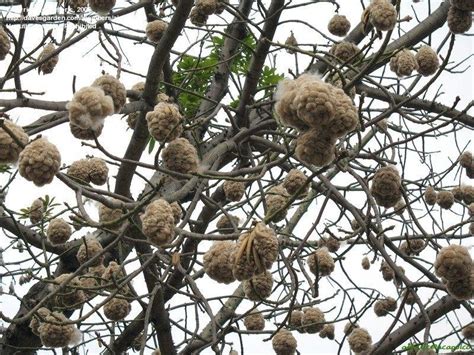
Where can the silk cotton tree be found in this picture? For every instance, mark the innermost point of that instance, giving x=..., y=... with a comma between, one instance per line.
x=236, y=177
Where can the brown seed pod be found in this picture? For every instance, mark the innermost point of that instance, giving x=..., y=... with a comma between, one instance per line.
x=457, y=193
x=198, y=18
x=39, y=162
x=314, y=103
x=101, y=7
x=88, y=108
x=385, y=306
x=382, y=15
x=295, y=180
x=90, y=248
x=296, y=318
x=218, y=263
x=59, y=231
x=71, y=296
x=243, y=267
x=387, y=272
x=315, y=147
x=467, y=194
x=312, y=320
x=88, y=133
x=55, y=333
x=459, y=21
x=292, y=42
x=37, y=318
x=284, y=107
x=344, y=51
x=158, y=222
x=112, y=88
x=114, y=274
x=254, y=321
x=79, y=170
x=453, y=263
x=265, y=243
x=365, y=263
x=225, y=225
x=107, y=215
x=206, y=7
x=321, y=262
x=428, y=61
x=4, y=44
x=465, y=5
x=430, y=195
x=386, y=186
x=164, y=122
x=155, y=30
x=466, y=159
x=48, y=66
x=339, y=25
x=412, y=247
x=462, y=289
x=98, y=171
x=359, y=340
x=327, y=332
x=276, y=199
x=259, y=287
x=331, y=243
x=117, y=309
x=410, y=298
x=234, y=190
x=284, y=343
x=36, y=211
x=445, y=199
x=346, y=117
x=180, y=156
x=349, y=327
x=467, y=332
x=177, y=212
x=403, y=63
x=9, y=148
x=89, y=284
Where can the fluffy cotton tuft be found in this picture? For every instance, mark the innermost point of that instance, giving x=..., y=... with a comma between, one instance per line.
x=164, y=122
x=275, y=200
x=155, y=30
x=462, y=289
x=385, y=306
x=315, y=147
x=36, y=211
x=55, y=333
x=386, y=186
x=412, y=247
x=9, y=148
x=101, y=7
x=459, y=21
x=430, y=195
x=468, y=331
x=48, y=66
x=321, y=262
x=453, y=263
x=117, y=309
x=259, y=287
x=180, y=156
x=90, y=248
x=113, y=88
x=295, y=180
x=71, y=296
x=225, y=224
x=403, y=63
x=360, y=340
x=339, y=25
x=313, y=319
x=365, y=263
x=445, y=199
x=382, y=15
x=59, y=231
x=466, y=5
x=349, y=327
x=327, y=331
x=331, y=243
x=254, y=321
x=234, y=190
x=344, y=50
x=315, y=103
x=39, y=162
x=284, y=343
x=158, y=222
x=107, y=215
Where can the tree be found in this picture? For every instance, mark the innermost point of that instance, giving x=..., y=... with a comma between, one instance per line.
x=205, y=192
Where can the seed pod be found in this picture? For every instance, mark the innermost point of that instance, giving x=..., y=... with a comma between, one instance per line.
x=292, y=42
x=88, y=133
x=321, y=262
x=265, y=244
x=349, y=327
x=465, y=5
x=384, y=306
x=225, y=225
x=206, y=7
x=386, y=186
x=254, y=321
x=276, y=199
x=327, y=332
x=387, y=272
x=467, y=194
x=98, y=171
x=155, y=30
x=218, y=263
x=430, y=195
x=112, y=88
x=36, y=211
x=164, y=122
x=360, y=340
x=314, y=103
x=428, y=61
x=382, y=15
x=285, y=107
x=39, y=162
x=295, y=180
x=55, y=333
x=467, y=332
x=117, y=309
x=312, y=320
x=284, y=343
x=365, y=263
x=107, y=215
x=412, y=247
x=344, y=51
x=445, y=199
x=234, y=190
x=453, y=263
x=102, y=7
x=339, y=25
x=259, y=287
x=410, y=298
x=315, y=147
x=71, y=296
x=79, y=170
x=346, y=117
x=48, y=66
x=114, y=274
x=180, y=156
x=4, y=44
x=37, y=318
x=462, y=289
x=331, y=243
x=242, y=268
x=89, y=249
x=403, y=63
x=198, y=18
x=9, y=148
x=59, y=231
x=296, y=318
x=459, y=21
x=158, y=222
x=466, y=159
x=177, y=212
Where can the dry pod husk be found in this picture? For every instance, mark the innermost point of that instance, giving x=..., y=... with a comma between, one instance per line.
x=467, y=194
x=54, y=332
x=321, y=262
x=276, y=199
x=101, y=7
x=36, y=211
x=339, y=25
x=294, y=181
x=412, y=247
x=428, y=61
x=158, y=222
x=39, y=162
x=48, y=66
x=180, y=156
x=327, y=332
x=234, y=190
x=430, y=195
x=90, y=248
x=365, y=263
x=445, y=199
x=9, y=148
x=382, y=15
x=59, y=231
x=155, y=30
x=360, y=340
x=284, y=343
x=313, y=319
x=4, y=44
x=314, y=147
x=387, y=272
x=254, y=321
x=113, y=88
x=459, y=21
x=386, y=186
x=259, y=287
x=344, y=51
x=164, y=122
x=462, y=289
x=225, y=225
x=218, y=261
x=403, y=63
x=385, y=306
x=292, y=42
x=37, y=318
x=468, y=331
x=349, y=327
x=453, y=263
x=117, y=309
x=71, y=296
x=331, y=243
x=107, y=215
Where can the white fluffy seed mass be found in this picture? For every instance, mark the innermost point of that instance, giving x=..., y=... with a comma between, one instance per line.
x=158, y=222
x=180, y=156
x=403, y=63
x=39, y=162
x=315, y=103
x=155, y=30
x=59, y=231
x=9, y=147
x=114, y=89
x=4, y=43
x=218, y=261
x=346, y=117
x=285, y=107
x=164, y=122
x=386, y=186
x=87, y=133
x=284, y=343
x=48, y=66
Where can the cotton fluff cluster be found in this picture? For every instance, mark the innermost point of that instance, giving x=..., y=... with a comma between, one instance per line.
x=37, y=318
x=284, y=343
x=180, y=156
x=386, y=186
x=225, y=225
x=90, y=249
x=59, y=231
x=276, y=199
x=430, y=195
x=158, y=222
x=4, y=44
x=93, y=170
x=331, y=243
x=462, y=289
x=428, y=61
x=87, y=111
x=36, y=211
x=312, y=320
x=403, y=63
x=385, y=306
x=294, y=181
x=54, y=332
x=113, y=274
x=339, y=25
x=155, y=30
x=320, y=111
x=71, y=296
x=445, y=199
x=254, y=321
x=39, y=162
x=203, y=9
x=296, y=319
x=359, y=340
x=453, y=263
x=321, y=262
x=459, y=21
x=101, y=7
x=112, y=88
x=381, y=14
x=412, y=246
x=327, y=331
x=164, y=122
x=117, y=309
x=48, y=66
x=467, y=194
x=234, y=190
x=259, y=287
x=9, y=148
x=108, y=215
x=344, y=51
x=468, y=331
x=218, y=261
